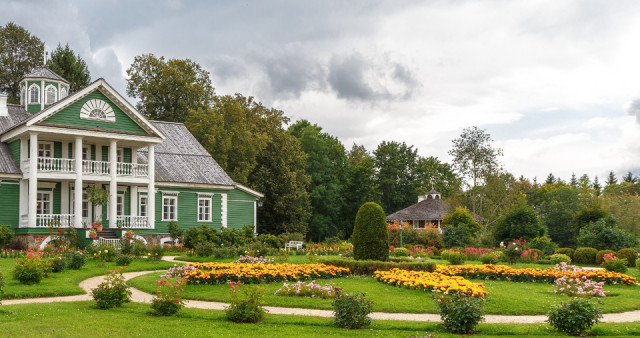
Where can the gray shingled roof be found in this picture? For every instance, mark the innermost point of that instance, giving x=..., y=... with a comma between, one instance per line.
x=7, y=164
x=45, y=73
x=16, y=115
x=428, y=209
x=180, y=158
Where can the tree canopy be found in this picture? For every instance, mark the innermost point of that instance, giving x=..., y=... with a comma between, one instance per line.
x=395, y=163
x=169, y=89
x=20, y=53
x=70, y=66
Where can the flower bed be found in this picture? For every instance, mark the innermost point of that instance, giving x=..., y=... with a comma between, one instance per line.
x=430, y=282
x=311, y=290
x=503, y=272
x=219, y=273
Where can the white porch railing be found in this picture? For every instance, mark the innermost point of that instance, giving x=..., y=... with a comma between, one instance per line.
x=54, y=220
x=95, y=167
x=50, y=164
x=133, y=222
x=115, y=243
x=132, y=169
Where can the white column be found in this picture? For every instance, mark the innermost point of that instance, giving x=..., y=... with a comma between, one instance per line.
x=24, y=184
x=223, y=210
x=151, y=188
x=255, y=217
x=113, y=184
x=64, y=197
x=33, y=179
x=77, y=190
x=98, y=152
x=133, y=200
x=134, y=155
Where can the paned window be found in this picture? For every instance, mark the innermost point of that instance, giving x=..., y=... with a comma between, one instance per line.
x=43, y=205
x=51, y=95
x=45, y=149
x=120, y=205
x=86, y=153
x=204, y=209
x=85, y=204
x=143, y=206
x=169, y=208
x=119, y=155
x=63, y=93
x=34, y=94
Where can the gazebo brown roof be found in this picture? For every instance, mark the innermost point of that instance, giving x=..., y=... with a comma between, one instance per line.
x=427, y=209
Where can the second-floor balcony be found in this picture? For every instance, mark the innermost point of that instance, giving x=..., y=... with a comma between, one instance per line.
x=89, y=167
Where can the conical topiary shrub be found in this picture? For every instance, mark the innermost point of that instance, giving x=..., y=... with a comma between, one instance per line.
x=370, y=237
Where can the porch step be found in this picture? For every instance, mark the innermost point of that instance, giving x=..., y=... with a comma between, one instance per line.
x=107, y=234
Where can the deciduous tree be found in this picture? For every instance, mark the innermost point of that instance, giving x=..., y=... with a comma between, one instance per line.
x=395, y=163
x=20, y=53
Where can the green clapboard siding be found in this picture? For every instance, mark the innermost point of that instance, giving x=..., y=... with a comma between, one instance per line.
x=71, y=116
x=127, y=155
x=9, y=199
x=57, y=149
x=239, y=214
x=239, y=195
x=188, y=208
x=15, y=151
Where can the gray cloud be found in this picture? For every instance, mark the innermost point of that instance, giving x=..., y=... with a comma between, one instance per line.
x=633, y=108
x=356, y=77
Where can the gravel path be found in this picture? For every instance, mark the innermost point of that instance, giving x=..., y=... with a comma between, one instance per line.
x=142, y=297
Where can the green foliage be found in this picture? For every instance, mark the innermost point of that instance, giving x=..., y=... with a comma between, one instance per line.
x=271, y=241
x=431, y=173
x=600, y=255
x=630, y=255
x=155, y=252
x=20, y=52
x=370, y=237
x=574, y=317
x=6, y=235
x=29, y=269
x=174, y=231
x=395, y=163
x=123, y=260
x=167, y=300
x=351, y=311
x=454, y=258
x=168, y=90
x=75, y=260
x=326, y=164
x=459, y=312
x=474, y=158
x=559, y=258
x=606, y=234
x=462, y=217
x=490, y=258
x=543, y=244
x=139, y=249
x=246, y=303
x=519, y=222
x=400, y=252
x=58, y=264
x=456, y=236
x=360, y=187
x=558, y=205
x=585, y=217
x=70, y=66
x=105, y=252
x=280, y=175
x=205, y=249
x=565, y=251
x=113, y=292
x=615, y=265
x=585, y=255
x=2, y=285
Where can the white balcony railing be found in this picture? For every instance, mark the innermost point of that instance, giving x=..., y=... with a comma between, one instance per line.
x=50, y=164
x=95, y=167
x=132, y=169
x=133, y=222
x=54, y=220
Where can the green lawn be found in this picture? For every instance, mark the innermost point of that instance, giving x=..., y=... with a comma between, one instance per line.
x=77, y=318
x=66, y=283
x=504, y=297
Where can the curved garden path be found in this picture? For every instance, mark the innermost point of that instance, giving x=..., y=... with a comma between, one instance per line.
x=143, y=297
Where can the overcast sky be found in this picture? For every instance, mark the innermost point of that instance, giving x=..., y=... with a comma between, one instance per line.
x=554, y=82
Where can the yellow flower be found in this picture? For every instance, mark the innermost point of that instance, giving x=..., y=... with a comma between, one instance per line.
x=106, y=251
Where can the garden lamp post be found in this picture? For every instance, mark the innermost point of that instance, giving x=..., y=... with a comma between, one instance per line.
x=401, y=223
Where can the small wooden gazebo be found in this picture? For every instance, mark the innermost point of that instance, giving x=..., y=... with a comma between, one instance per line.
x=426, y=214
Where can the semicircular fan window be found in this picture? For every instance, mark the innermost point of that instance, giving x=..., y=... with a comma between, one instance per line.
x=97, y=109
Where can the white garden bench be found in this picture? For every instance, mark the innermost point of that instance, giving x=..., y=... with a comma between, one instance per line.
x=294, y=244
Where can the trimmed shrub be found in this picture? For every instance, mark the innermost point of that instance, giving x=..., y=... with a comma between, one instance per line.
x=205, y=249
x=600, y=255
x=370, y=237
x=460, y=313
x=575, y=316
x=400, y=252
x=58, y=264
x=585, y=256
x=630, y=255
x=490, y=258
x=565, y=251
x=367, y=267
x=606, y=234
x=559, y=258
x=29, y=270
x=123, y=260
x=544, y=244
x=113, y=292
x=351, y=311
x=246, y=303
x=454, y=258
x=613, y=263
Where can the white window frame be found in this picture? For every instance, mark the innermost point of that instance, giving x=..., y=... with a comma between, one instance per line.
x=23, y=95
x=31, y=96
x=63, y=92
x=120, y=155
x=88, y=148
x=120, y=204
x=200, y=207
x=166, y=198
x=40, y=200
x=141, y=204
x=86, y=205
x=46, y=94
x=42, y=143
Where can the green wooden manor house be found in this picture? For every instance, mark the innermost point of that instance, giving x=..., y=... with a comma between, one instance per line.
x=55, y=146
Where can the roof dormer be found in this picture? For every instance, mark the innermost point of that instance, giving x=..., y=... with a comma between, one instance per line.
x=42, y=88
